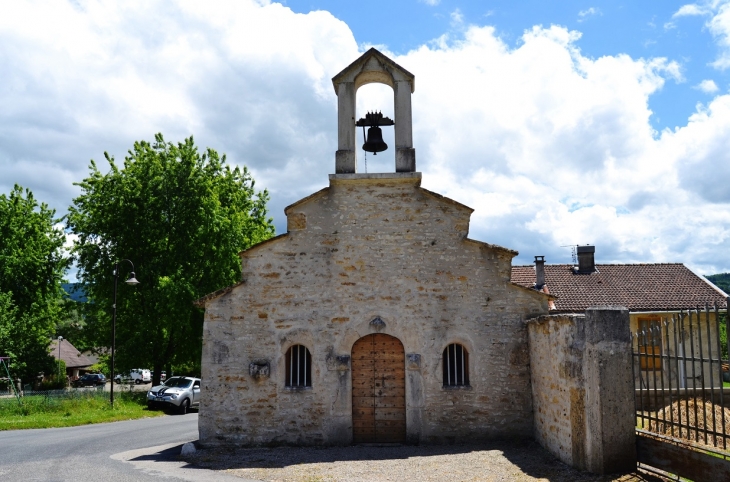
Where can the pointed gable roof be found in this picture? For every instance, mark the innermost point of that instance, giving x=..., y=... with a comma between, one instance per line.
x=373, y=66
x=69, y=354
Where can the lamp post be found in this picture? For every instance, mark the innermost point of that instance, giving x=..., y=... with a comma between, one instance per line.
x=60, y=339
x=131, y=281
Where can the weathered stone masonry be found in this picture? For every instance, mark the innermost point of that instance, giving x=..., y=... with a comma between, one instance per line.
x=368, y=246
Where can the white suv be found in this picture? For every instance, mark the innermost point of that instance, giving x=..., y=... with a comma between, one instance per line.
x=136, y=375
x=177, y=393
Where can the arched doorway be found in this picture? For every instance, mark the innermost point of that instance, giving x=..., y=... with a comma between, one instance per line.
x=378, y=390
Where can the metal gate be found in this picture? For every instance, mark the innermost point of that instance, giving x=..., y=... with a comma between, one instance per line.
x=680, y=368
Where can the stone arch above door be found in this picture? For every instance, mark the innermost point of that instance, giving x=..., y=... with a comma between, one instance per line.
x=378, y=390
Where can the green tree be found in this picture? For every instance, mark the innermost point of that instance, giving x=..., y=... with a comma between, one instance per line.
x=181, y=218
x=32, y=264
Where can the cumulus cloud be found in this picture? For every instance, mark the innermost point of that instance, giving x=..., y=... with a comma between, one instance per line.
x=553, y=148
x=718, y=24
x=708, y=86
x=81, y=80
x=457, y=18
x=549, y=146
x=692, y=9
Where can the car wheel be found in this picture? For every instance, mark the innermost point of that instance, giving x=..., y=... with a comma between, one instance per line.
x=184, y=407
x=137, y=381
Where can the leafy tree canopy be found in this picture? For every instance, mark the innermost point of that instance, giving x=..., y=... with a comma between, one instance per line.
x=181, y=217
x=32, y=264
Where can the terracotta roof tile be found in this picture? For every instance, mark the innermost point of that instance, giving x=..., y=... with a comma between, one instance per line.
x=639, y=287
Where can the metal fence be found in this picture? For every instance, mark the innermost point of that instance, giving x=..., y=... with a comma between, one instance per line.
x=680, y=368
x=29, y=391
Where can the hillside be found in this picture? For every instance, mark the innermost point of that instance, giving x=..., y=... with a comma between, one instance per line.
x=75, y=291
x=721, y=280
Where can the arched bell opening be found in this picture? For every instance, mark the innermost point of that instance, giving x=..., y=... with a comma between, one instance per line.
x=374, y=68
x=375, y=97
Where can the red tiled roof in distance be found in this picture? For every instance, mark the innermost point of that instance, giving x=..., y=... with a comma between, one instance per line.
x=639, y=287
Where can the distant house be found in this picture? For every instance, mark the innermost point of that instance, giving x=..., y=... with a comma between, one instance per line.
x=76, y=363
x=653, y=294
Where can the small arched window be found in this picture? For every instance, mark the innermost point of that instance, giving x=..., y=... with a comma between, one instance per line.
x=298, y=367
x=456, y=366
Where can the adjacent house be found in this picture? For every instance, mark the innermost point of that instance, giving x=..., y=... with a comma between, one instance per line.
x=663, y=301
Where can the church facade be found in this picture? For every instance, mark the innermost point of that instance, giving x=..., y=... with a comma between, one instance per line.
x=375, y=318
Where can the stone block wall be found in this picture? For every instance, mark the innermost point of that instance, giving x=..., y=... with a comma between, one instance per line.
x=557, y=344
x=582, y=388
x=367, y=247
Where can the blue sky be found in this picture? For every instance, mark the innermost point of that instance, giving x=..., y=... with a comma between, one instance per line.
x=639, y=28
x=560, y=123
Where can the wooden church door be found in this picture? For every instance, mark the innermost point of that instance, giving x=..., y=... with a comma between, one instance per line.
x=378, y=390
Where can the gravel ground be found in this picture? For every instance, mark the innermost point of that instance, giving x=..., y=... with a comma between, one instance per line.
x=495, y=462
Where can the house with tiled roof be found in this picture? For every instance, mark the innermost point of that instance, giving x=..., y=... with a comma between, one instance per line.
x=652, y=292
x=76, y=363
x=642, y=288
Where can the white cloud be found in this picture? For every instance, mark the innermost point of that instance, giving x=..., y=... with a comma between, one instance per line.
x=457, y=18
x=590, y=12
x=432, y=3
x=720, y=27
x=691, y=9
x=553, y=148
x=549, y=146
x=707, y=86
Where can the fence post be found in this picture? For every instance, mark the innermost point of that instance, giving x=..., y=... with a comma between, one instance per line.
x=609, y=391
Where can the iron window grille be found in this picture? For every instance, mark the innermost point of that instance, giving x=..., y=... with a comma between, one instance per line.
x=456, y=366
x=298, y=367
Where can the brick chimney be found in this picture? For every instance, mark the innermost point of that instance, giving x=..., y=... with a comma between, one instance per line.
x=586, y=262
x=539, y=272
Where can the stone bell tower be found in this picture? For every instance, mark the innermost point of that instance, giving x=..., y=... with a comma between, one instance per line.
x=374, y=67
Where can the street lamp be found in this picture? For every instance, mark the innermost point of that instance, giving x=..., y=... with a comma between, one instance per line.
x=60, y=339
x=131, y=281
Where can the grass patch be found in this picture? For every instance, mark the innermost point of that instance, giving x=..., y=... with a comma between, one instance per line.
x=75, y=407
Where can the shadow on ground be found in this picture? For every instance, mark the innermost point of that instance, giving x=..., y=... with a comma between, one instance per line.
x=494, y=461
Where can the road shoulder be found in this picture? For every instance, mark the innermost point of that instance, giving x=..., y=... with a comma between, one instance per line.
x=164, y=461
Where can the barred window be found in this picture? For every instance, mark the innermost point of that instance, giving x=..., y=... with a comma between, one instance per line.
x=456, y=366
x=298, y=367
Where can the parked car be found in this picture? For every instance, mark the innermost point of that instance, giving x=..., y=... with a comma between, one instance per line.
x=177, y=393
x=136, y=375
x=90, y=380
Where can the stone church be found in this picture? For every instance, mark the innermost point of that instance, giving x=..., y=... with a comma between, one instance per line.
x=375, y=318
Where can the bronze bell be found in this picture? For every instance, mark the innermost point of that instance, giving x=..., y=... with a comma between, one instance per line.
x=374, y=141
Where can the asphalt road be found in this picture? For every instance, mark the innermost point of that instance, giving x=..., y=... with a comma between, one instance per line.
x=134, y=450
